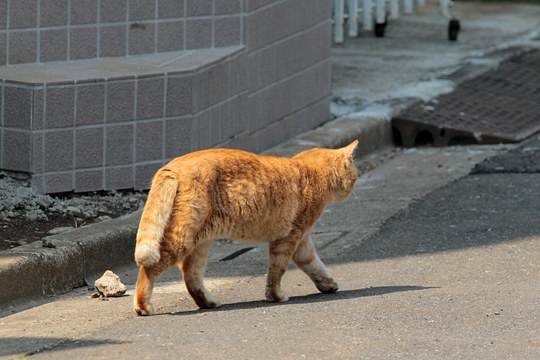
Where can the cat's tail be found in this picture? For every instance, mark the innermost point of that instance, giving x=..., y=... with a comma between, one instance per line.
x=155, y=217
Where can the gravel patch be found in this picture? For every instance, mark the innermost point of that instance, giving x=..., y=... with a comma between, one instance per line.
x=26, y=216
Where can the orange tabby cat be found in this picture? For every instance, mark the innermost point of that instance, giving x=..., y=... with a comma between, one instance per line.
x=219, y=193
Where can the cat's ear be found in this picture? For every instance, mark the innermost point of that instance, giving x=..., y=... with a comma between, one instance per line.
x=349, y=149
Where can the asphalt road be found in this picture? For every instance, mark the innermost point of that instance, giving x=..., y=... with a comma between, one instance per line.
x=432, y=263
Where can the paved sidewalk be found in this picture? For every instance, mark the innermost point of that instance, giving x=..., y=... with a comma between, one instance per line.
x=373, y=80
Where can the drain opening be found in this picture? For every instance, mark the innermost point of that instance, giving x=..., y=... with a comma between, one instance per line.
x=423, y=138
x=462, y=140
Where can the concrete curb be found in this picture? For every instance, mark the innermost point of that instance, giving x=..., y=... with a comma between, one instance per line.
x=31, y=270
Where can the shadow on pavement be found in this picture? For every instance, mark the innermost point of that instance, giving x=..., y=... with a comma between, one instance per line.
x=311, y=298
x=43, y=344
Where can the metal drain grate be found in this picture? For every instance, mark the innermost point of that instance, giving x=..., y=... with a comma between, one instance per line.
x=500, y=106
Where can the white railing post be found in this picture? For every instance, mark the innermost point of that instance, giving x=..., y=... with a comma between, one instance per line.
x=353, y=18
x=366, y=15
x=407, y=6
x=339, y=8
x=380, y=15
x=394, y=9
x=445, y=8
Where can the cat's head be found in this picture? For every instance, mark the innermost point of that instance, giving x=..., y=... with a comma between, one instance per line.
x=339, y=167
x=344, y=172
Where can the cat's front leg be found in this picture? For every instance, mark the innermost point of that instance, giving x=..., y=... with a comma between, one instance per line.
x=306, y=258
x=279, y=255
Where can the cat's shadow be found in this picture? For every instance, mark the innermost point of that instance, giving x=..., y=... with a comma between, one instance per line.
x=312, y=298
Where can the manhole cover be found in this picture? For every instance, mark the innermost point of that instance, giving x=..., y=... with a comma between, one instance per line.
x=501, y=106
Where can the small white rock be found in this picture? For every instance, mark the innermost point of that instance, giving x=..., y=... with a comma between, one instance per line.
x=109, y=285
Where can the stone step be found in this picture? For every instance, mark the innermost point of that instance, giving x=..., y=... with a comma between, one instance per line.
x=111, y=123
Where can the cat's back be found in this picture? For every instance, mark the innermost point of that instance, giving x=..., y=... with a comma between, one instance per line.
x=232, y=168
x=220, y=160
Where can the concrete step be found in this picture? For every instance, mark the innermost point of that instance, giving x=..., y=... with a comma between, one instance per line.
x=98, y=124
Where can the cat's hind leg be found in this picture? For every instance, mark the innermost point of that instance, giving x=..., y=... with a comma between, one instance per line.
x=306, y=258
x=279, y=255
x=145, y=282
x=193, y=267
x=143, y=292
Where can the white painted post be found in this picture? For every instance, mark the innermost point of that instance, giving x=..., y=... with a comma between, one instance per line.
x=339, y=8
x=353, y=18
x=407, y=6
x=366, y=12
x=394, y=9
x=379, y=12
x=445, y=8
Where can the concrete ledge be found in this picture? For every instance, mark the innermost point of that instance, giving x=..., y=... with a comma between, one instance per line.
x=32, y=270
x=106, y=69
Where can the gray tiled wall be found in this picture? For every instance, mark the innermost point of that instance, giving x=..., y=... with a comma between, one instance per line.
x=59, y=30
x=114, y=132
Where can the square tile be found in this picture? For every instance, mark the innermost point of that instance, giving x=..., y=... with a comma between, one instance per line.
x=178, y=136
x=17, y=149
x=88, y=180
x=202, y=132
x=238, y=74
x=22, y=47
x=199, y=7
x=113, y=11
x=118, y=178
x=3, y=14
x=170, y=36
x=60, y=103
x=142, y=9
x=120, y=101
x=180, y=95
x=83, y=43
x=112, y=41
x=141, y=39
x=57, y=183
x=3, y=48
x=198, y=33
x=83, y=12
x=58, y=150
x=149, y=141
x=38, y=114
x=119, y=145
x=227, y=31
x=88, y=148
x=170, y=9
x=144, y=174
x=37, y=183
x=90, y=104
x=150, y=93
x=37, y=152
x=53, y=13
x=53, y=45
x=17, y=107
x=223, y=7
x=23, y=14
x=213, y=85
